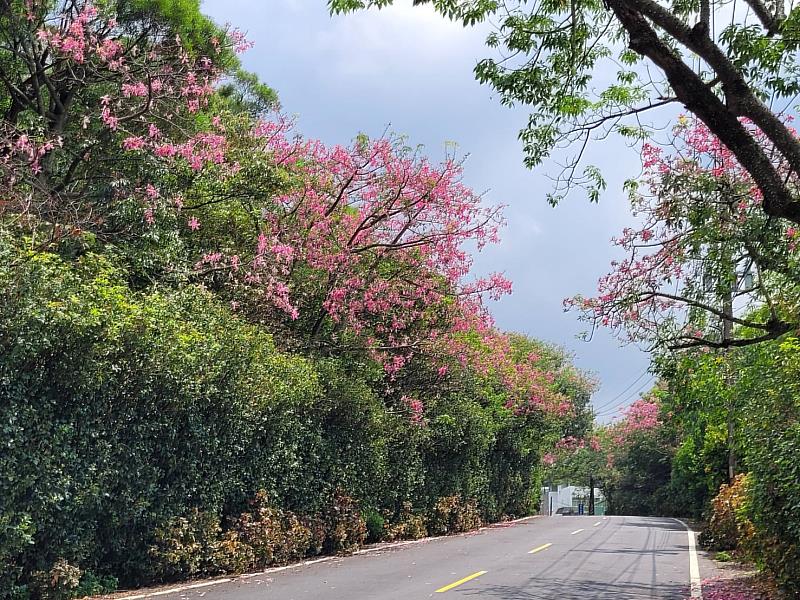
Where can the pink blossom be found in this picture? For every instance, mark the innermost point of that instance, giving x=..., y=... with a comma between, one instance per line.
x=416, y=408
x=139, y=89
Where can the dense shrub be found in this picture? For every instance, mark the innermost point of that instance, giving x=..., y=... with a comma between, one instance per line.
x=275, y=536
x=641, y=485
x=375, y=524
x=407, y=524
x=772, y=431
x=345, y=527
x=125, y=410
x=61, y=581
x=740, y=406
x=186, y=546
x=316, y=526
x=452, y=514
x=729, y=526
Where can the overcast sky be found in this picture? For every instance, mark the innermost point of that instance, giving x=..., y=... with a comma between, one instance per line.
x=408, y=68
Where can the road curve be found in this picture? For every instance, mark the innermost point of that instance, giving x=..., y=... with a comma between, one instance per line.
x=623, y=558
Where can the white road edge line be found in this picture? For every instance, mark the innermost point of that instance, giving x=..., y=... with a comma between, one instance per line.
x=375, y=548
x=179, y=589
x=694, y=567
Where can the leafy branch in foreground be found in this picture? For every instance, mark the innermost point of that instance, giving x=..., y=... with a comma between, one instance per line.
x=580, y=66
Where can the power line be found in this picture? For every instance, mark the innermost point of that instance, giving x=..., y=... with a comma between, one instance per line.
x=618, y=396
x=618, y=409
x=636, y=392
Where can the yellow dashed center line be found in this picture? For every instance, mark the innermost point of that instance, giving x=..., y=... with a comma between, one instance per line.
x=460, y=581
x=540, y=548
x=576, y=531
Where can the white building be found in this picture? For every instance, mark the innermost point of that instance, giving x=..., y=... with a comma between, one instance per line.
x=570, y=496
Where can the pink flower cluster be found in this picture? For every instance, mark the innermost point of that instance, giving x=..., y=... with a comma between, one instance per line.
x=151, y=81
x=568, y=446
x=649, y=288
x=476, y=345
x=75, y=39
x=416, y=408
x=719, y=588
x=642, y=415
x=21, y=148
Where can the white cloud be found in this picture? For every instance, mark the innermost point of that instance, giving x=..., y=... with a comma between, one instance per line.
x=396, y=40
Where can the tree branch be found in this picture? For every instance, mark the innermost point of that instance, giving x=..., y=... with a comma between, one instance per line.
x=696, y=96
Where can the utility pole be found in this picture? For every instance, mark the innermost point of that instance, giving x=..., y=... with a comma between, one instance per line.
x=730, y=377
x=730, y=381
x=591, y=495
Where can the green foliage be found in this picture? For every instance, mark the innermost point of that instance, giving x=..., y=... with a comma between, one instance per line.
x=139, y=426
x=723, y=556
x=771, y=429
x=729, y=525
x=244, y=93
x=452, y=514
x=183, y=18
x=753, y=393
x=642, y=483
x=123, y=410
x=375, y=526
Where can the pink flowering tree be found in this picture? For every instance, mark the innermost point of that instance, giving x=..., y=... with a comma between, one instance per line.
x=80, y=86
x=531, y=386
x=706, y=266
x=604, y=457
x=534, y=377
x=641, y=416
x=340, y=247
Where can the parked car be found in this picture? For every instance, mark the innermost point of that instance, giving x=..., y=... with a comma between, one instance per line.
x=566, y=510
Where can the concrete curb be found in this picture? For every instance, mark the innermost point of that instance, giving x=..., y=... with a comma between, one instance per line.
x=369, y=549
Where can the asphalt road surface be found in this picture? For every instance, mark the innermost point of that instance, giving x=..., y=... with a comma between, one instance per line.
x=621, y=558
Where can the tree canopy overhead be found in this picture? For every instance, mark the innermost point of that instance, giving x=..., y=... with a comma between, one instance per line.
x=580, y=66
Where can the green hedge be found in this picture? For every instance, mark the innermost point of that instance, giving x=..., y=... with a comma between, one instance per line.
x=756, y=390
x=122, y=410
x=771, y=428
x=133, y=420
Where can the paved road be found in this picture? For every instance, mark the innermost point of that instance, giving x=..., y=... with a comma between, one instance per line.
x=564, y=558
